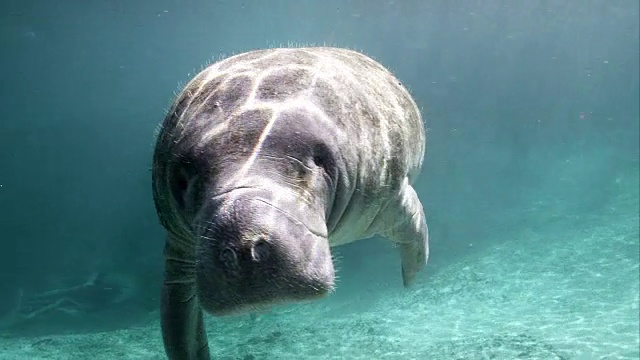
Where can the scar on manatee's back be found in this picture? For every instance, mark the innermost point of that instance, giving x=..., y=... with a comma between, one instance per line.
x=282, y=83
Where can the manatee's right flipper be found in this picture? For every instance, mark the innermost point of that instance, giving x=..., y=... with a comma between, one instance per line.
x=403, y=222
x=183, y=330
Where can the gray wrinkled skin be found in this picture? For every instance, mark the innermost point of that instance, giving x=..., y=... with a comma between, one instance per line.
x=266, y=160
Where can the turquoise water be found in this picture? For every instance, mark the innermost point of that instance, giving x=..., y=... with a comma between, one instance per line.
x=530, y=184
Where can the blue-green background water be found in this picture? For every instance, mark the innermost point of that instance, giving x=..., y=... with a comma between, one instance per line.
x=530, y=182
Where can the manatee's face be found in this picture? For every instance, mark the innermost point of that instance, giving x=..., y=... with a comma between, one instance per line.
x=251, y=254
x=259, y=207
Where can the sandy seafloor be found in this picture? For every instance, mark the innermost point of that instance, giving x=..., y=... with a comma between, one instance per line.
x=566, y=292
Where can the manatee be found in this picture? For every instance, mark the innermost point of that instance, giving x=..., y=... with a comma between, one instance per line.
x=265, y=161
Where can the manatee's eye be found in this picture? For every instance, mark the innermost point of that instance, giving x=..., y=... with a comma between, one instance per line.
x=182, y=183
x=180, y=186
x=319, y=160
x=322, y=158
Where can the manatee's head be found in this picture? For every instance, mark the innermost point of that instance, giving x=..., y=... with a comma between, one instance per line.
x=259, y=200
x=253, y=253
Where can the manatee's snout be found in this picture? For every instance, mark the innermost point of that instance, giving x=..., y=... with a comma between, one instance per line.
x=254, y=254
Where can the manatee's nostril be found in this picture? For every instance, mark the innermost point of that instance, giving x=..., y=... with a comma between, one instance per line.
x=260, y=250
x=229, y=258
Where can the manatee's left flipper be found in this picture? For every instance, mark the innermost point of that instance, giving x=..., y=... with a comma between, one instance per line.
x=403, y=222
x=182, y=322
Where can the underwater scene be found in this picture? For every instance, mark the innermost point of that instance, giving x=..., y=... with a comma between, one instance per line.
x=187, y=179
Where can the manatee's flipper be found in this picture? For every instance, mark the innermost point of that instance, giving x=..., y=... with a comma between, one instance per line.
x=404, y=223
x=183, y=330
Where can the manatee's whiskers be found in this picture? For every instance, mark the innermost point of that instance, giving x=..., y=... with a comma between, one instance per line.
x=207, y=237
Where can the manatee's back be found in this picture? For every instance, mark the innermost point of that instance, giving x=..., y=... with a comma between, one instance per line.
x=346, y=97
